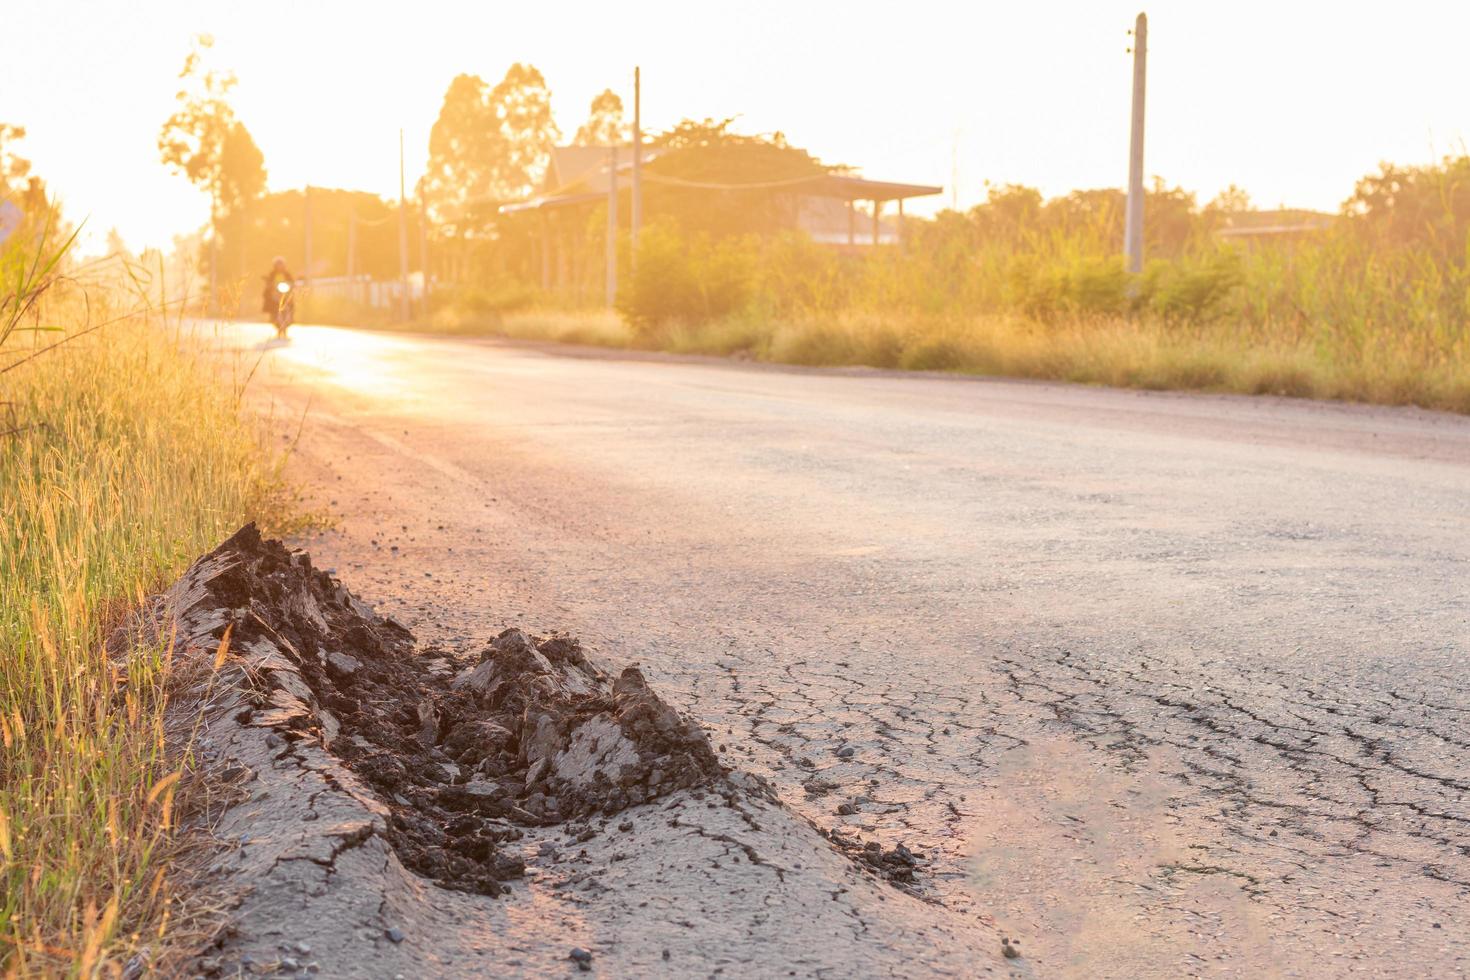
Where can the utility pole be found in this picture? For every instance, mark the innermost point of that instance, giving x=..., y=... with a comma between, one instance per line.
x=352, y=255
x=1133, y=228
x=954, y=172
x=635, y=220
x=306, y=225
x=213, y=306
x=612, y=225
x=424, y=244
x=402, y=238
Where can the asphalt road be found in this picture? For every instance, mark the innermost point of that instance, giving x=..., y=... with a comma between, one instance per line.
x=1175, y=684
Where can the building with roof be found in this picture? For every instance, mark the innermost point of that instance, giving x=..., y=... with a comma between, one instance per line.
x=1274, y=224
x=839, y=210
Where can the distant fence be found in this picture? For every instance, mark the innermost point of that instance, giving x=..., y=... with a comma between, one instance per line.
x=379, y=294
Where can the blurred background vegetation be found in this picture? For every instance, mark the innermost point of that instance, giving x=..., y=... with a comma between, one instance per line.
x=1369, y=303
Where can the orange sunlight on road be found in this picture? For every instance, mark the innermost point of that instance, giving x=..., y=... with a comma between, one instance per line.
x=353, y=359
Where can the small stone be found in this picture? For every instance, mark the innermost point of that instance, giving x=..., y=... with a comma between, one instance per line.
x=394, y=934
x=625, y=826
x=1008, y=951
x=846, y=752
x=343, y=665
x=666, y=954
x=289, y=963
x=303, y=948
x=846, y=809
x=582, y=957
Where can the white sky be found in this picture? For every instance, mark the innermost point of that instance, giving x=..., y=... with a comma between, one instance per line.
x=1291, y=100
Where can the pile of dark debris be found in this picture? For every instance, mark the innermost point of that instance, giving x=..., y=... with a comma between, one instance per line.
x=465, y=755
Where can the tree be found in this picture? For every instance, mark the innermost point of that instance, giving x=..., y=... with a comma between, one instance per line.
x=1415, y=205
x=241, y=168
x=489, y=145
x=604, y=125
x=276, y=225
x=521, y=104
x=463, y=146
x=205, y=142
x=723, y=181
x=1231, y=200
x=13, y=169
x=1009, y=213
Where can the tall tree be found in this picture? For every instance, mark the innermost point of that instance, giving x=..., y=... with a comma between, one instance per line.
x=489, y=145
x=463, y=147
x=521, y=103
x=205, y=142
x=604, y=125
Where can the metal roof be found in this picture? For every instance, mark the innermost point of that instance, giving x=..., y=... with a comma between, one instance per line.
x=840, y=186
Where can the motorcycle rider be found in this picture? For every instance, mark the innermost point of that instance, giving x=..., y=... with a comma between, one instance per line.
x=270, y=300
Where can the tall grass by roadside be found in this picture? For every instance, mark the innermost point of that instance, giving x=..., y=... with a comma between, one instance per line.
x=123, y=456
x=1370, y=305
x=1123, y=352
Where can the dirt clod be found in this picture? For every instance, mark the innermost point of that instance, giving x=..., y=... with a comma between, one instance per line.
x=896, y=865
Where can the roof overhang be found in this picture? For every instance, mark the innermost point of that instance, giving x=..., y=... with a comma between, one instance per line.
x=839, y=186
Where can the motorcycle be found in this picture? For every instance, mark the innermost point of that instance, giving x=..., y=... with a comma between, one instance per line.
x=285, y=311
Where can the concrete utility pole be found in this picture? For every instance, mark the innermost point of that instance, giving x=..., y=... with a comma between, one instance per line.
x=306, y=227
x=352, y=254
x=612, y=225
x=424, y=244
x=635, y=220
x=402, y=238
x=1133, y=228
x=213, y=306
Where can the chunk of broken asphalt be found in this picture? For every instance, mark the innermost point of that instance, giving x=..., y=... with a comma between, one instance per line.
x=536, y=732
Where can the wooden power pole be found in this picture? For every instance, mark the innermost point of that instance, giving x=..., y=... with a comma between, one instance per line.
x=1133, y=227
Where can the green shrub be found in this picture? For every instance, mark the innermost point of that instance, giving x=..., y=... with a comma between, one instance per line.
x=1193, y=289
x=933, y=354
x=686, y=280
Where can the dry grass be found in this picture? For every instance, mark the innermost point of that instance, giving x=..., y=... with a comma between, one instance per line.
x=130, y=458
x=1386, y=368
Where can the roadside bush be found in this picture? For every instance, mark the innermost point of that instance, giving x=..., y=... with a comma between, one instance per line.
x=686, y=280
x=1045, y=287
x=1194, y=289
x=933, y=354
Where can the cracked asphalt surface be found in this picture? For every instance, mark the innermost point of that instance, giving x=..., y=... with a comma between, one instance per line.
x=1172, y=684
